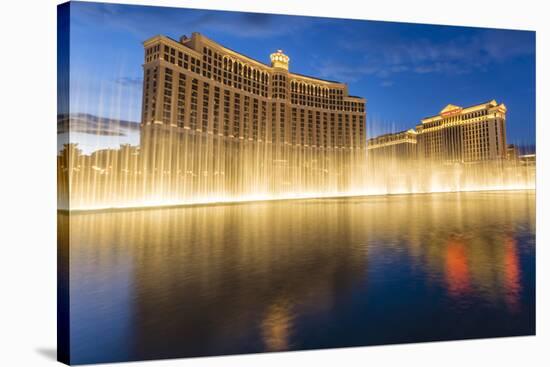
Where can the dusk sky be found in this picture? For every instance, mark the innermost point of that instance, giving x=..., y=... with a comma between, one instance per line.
x=405, y=71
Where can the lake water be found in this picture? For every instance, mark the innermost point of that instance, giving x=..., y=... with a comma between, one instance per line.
x=293, y=275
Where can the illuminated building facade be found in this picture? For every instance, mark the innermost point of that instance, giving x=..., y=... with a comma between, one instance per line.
x=199, y=85
x=220, y=123
x=528, y=160
x=512, y=152
x=400, y=145
x=469, y=134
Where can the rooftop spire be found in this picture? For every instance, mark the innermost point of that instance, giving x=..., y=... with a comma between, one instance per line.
x=279, y=60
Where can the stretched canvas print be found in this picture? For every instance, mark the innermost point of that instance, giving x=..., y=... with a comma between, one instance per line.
x=234, y=182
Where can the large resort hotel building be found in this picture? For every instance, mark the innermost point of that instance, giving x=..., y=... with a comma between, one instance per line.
x=399, y=146
x=470, y=134
x=198, y=84
x=244, y=126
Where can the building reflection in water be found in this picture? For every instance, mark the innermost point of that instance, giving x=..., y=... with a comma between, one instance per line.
x=456, y=263
x=500, y=283
x=270, y=276
x=277, y=326
x=511, y=273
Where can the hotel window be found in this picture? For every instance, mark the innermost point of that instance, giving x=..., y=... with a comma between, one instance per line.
x=255, y=121
x=186, y=61
x=273, y=122
x=354, y=135
x=333, y=129
x=325, y=130
x=246, y=115
x=154, y=92
x=294, y=126
x=310, y=127
x=172, y=56
x=194, y=97
x=302, y=127
x=226, y=110
x=237, y=116
x=215, y=127
x=263, y=125
x=181, y=101
x=167, y=99
x=282, y=136
x=318, y=128
x=205, y=97
x=340, y=132
x=347, y=129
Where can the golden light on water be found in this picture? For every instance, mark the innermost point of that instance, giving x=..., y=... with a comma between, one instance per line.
x=277, y=327
x=456, y=265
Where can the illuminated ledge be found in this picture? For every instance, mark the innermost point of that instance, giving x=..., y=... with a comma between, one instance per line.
x=301, y=198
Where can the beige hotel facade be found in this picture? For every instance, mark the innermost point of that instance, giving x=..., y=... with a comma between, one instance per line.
x=217, y=121
x=400, y=146
x=456, y=134
x=200, y=85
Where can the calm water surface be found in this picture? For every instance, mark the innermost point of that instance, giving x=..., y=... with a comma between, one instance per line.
x=293, y=275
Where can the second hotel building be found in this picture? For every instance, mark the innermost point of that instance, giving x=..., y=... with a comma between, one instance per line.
x=219, y=125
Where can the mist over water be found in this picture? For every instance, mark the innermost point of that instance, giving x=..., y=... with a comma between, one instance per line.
x=185, y=167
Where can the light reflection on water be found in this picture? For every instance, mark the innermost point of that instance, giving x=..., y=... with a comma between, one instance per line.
x=292, y=275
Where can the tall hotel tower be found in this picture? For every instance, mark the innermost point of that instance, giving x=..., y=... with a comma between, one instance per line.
x=218, y=124
x=470, y=134
x=455, y=135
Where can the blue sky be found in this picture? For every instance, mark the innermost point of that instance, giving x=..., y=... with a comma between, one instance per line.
x=405, y=71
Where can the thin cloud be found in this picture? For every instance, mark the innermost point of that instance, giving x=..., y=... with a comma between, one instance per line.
x=345, y=72
x=145, y=21
x=94, y=125
x=132, y=82
x=246, y=25
x=458, y=56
